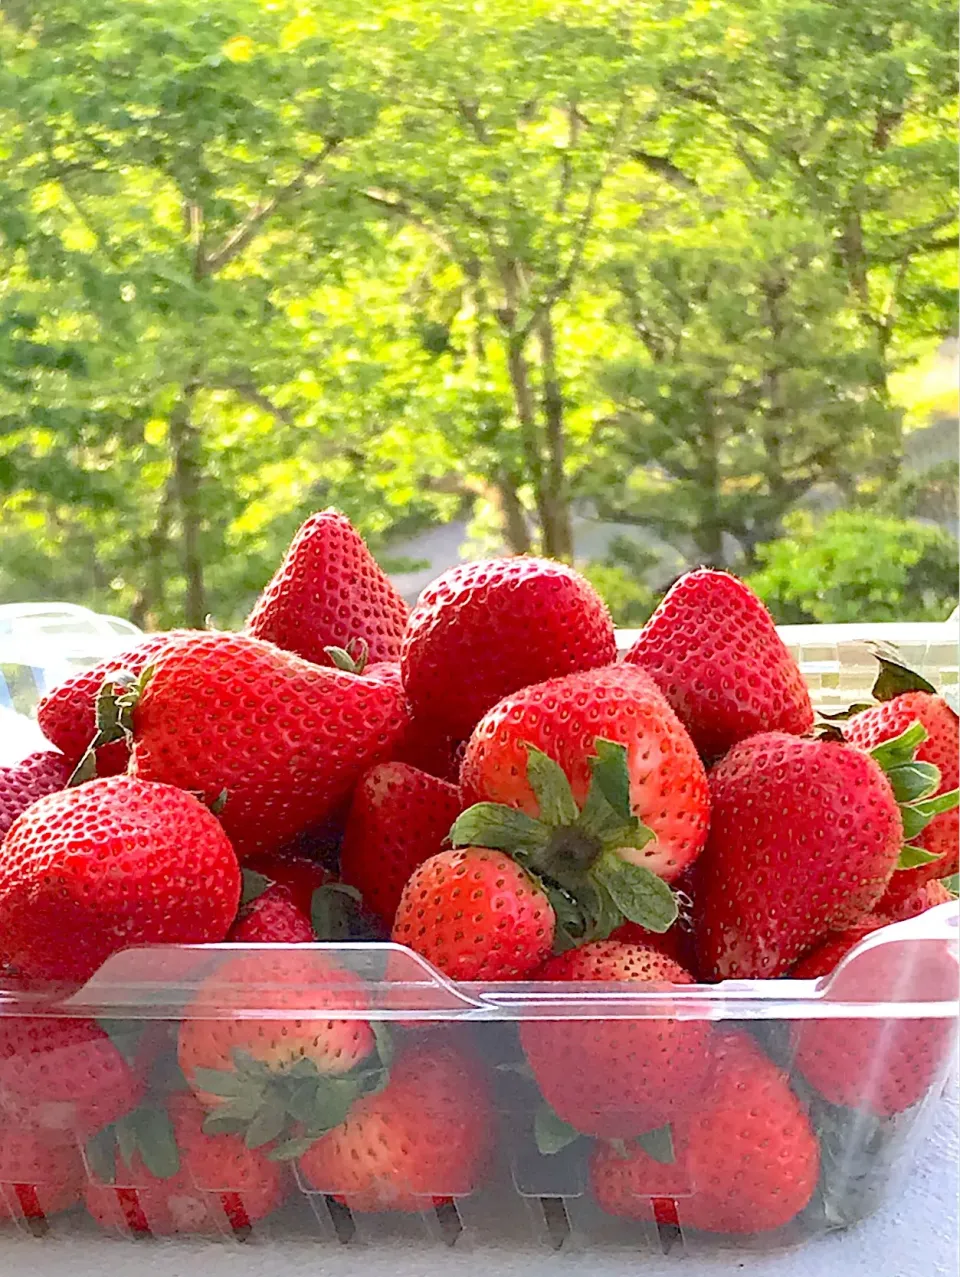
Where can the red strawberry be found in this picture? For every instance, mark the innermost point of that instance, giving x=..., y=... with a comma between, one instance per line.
x=426, y=1137
x=476, y=915
x=882, y=722
x=897, y=904
x=804, y=835
x=399, y=818
x=115, y=863
x=299, y=875
x=251, y=1070
x=285, y=739
x=716, y=655
x=272, y=918
x=63, y=1075
x=564, y=717
x=485, y=629
x=68, y=713
x=746, y=1160
x=40, y=1174
x=36, y=776
x=327, y=591
x=220, y=1183
x=834, y=946
x=884, y=1064
x=618, y=1077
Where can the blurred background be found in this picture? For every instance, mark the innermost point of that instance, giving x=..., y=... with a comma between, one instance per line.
x=637, y=285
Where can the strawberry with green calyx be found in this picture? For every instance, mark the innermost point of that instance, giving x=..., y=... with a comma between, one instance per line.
x=196, y=1184
x=906, y=697
x=273, y=913
x=917, y=788
x=285, y=1078
x=804, y=837
x=285, y=738
x=424, y=1138
x=113, y=717
x=578, y=854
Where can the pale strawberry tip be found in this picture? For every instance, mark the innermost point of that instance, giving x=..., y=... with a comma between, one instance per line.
x=572, y=852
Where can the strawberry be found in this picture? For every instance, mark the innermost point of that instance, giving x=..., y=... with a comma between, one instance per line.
x=804, y=837
x=399, y=818
x=421, y=744
x=716, y=655
x=427, y=1136
x=885, y=1064
x=299, y=875
x=327, y=591
x=215, y=1181
x=68, y=713
x=286, y=739
x=897, y=903
x=745, y=1158
x=64, y=1075
x=482, y=630
x=617, y=1077
x=40, y=1174
x=567, y=772
x=37, y=775
x=272, y=918
x=275, y=1073
x=115, y=863
x=941, y=838
x=476, y=915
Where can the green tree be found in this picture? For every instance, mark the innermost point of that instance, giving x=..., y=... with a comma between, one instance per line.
x=854, y=565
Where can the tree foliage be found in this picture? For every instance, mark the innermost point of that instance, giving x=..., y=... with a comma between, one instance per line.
x=656, y=263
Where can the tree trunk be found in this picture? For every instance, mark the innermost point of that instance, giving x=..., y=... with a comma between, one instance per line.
x=515, y=530
x=557, y=531
x=185, y=445
x=708, y=533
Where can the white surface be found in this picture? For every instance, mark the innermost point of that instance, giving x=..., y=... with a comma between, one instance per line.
x=915, y=1237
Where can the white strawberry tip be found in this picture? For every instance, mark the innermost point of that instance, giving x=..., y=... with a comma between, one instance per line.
x=573, y=853
x=914, y=786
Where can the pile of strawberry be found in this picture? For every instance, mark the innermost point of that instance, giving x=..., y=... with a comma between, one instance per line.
x=481, y=780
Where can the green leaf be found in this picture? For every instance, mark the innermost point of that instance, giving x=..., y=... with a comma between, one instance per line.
x=101, y=1150
x=218, y=1123
x=914, y=822
x=250, y=1065
x=502, y=828
x=900, y=749
x=290, y=1149
x=245, y=1106
x=384, y=1041
x=221, y=1082
x=267, y=1124
x=333, y=1102
x=126, y=1138
x=952, y=884
x=931, y=807
x=912, y=781
x=551, y=1132
x=895, y=677
x=640, y=895
x=302, y=1102
x=658, y=1144
x=332, y=911
x=551, y=788
x=254, y=885
x=303, y=1067
x=611, y=773
x=913, y=857
x=219, y=803
x=156, y=1142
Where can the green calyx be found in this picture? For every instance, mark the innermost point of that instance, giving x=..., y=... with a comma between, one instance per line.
x=352, y=658
x=116, y=700
x=147, y=1132
x=914, y=786
x=293, y=1106
x=573, y=852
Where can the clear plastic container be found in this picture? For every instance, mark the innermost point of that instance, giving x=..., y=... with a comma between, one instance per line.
x=865, y=1052
x=896, y=992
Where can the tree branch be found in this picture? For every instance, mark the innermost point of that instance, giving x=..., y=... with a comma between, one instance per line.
x=242, y=384
x=241, y=236
x=665, y=168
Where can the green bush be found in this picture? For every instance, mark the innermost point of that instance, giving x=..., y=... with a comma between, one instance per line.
x=856, y=566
